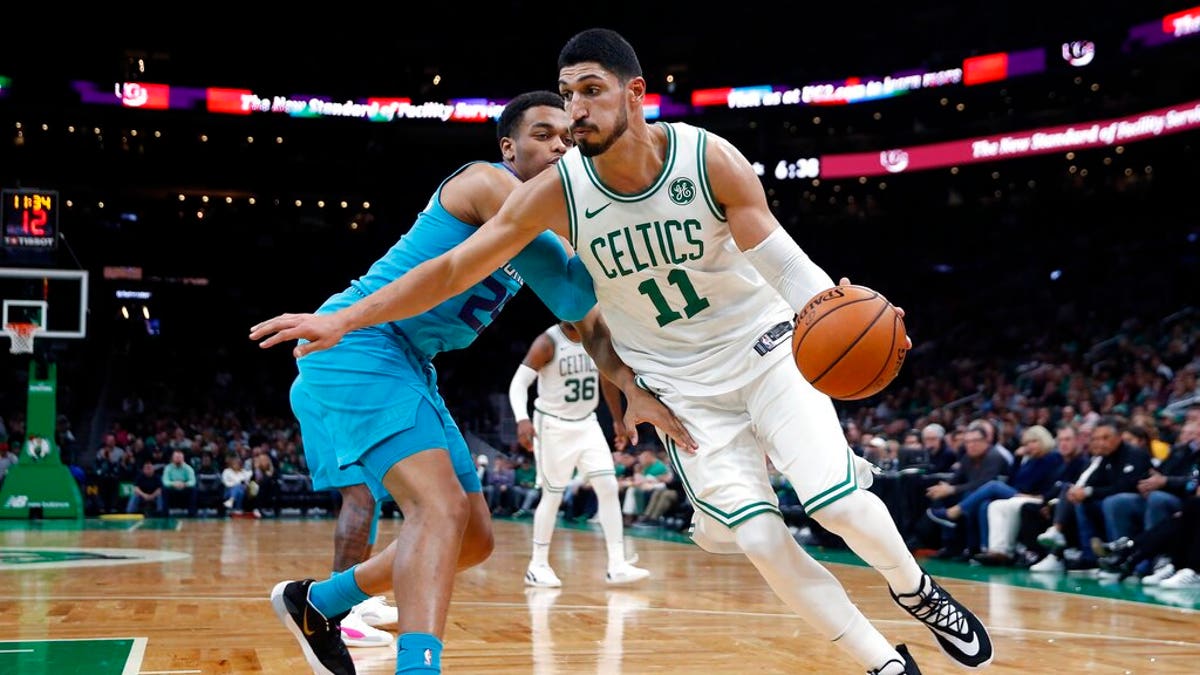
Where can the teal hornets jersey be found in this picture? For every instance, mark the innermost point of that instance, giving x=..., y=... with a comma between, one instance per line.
x=455, y=323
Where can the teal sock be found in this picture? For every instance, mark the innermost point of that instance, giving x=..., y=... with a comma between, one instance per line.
x=418, y=653
x=336, y=594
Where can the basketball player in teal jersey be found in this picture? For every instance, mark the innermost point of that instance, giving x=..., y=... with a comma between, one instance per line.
x=698, y=284
x=370, y=411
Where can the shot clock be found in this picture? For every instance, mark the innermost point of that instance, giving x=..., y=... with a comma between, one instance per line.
x=30, y=217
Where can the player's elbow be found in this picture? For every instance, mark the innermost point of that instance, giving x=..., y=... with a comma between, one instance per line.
x=571, y=304
x=574, y=312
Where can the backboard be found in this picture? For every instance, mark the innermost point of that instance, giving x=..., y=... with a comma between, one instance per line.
x=55, y=299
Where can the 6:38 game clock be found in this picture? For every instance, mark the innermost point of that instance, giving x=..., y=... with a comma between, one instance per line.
x=30, y=217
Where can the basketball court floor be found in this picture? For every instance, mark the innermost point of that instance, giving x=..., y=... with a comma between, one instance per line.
x=190, y=596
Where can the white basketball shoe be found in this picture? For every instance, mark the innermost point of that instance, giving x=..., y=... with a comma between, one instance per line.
x=356, y=632
x=376, y=612
x=625, y=574
x=542, y=576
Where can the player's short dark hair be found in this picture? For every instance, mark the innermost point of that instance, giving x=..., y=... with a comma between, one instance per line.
x=515, y=109
x=603, y=46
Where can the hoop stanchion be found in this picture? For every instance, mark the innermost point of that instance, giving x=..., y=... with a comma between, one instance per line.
x=21, y=335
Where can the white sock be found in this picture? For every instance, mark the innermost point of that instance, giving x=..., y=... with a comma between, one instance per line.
x=861, y=638
x=543, y=526
x=608, y=509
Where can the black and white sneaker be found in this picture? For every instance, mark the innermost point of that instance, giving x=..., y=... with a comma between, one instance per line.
x=959, y=632
x=320, y=637
x=902, y=666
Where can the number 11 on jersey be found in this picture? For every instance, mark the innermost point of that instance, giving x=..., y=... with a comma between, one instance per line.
x=677, y=277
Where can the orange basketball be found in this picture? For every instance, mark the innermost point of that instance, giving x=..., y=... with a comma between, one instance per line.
x=849, y=342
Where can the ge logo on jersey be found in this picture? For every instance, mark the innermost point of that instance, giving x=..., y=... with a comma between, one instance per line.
x=683, y=191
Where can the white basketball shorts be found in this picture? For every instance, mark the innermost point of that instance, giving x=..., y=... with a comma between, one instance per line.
x=561, y=446
x=777, y=415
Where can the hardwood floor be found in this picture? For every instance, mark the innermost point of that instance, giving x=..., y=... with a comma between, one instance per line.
x=79, y=600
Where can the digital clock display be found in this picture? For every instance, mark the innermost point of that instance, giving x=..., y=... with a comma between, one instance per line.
x=30, y=218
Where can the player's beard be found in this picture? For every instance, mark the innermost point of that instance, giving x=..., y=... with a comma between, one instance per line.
x=589, y=149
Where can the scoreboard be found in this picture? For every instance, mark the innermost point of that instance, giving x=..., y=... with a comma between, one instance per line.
x=30, y=217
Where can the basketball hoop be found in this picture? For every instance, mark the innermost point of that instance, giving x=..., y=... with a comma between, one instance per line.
x=21, y=335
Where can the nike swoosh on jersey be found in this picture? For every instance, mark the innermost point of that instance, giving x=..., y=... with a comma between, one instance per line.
x=969, y=648
x=592, y=214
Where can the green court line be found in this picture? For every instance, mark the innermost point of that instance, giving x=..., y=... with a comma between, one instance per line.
x=85, y=656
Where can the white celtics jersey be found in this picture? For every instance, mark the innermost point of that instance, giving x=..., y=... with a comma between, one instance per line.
x=569, y=385
x=685, y=307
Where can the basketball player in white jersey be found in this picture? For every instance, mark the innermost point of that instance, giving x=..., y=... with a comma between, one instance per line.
x=564, y=436
x=698, y=284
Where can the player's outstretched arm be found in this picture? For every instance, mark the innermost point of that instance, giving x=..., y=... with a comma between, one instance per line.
x=434, y=281
x=641, y=405
x=558, y=278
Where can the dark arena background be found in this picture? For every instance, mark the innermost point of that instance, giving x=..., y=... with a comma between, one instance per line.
x=1021, y=178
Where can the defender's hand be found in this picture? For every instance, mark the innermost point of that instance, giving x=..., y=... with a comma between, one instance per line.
x=321, y=330
x=641, y=406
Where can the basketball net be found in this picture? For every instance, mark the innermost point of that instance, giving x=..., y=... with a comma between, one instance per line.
x=21, y=336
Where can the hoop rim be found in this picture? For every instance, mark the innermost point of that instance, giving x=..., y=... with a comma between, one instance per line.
x=22, y=327
x=20, y=334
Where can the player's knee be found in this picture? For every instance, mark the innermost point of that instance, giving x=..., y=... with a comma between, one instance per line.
x=477, y=546
x=449, y=512
x=604, y=485
x=761, y=536
x=846, y=514
x=713, y=537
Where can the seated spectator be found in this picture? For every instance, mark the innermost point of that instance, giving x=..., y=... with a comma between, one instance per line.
x=1160, y=494
x=1034, y=519
x=147, y=489
x=1116, y=467
x=265, y=492
x=104, y=479
x=981, y=463
x=990, y=511
x=498, y=490
x=941, y=455
x=526, y=493
x=236, y=479
x=651, y=474
x=878, y=452
x=179, y=483
x=663, y=500
x=993, y=439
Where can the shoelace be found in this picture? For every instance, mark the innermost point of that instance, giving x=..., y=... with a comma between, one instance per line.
x=880, y=669
x=945, y=614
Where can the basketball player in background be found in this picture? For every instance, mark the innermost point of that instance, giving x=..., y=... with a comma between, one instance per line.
x=564, y=436
x=373, y=402
x=698, y=284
